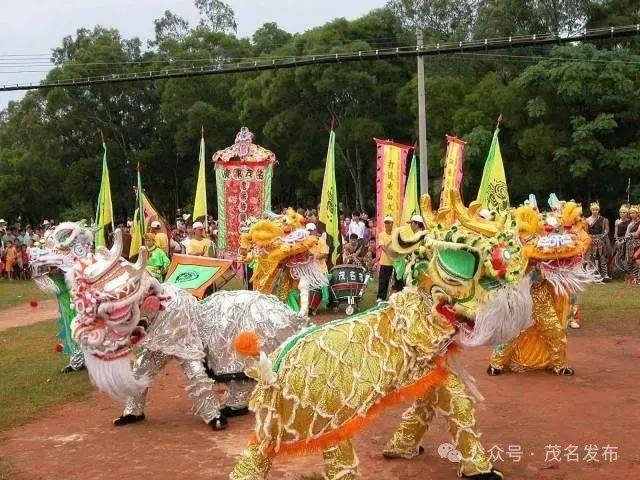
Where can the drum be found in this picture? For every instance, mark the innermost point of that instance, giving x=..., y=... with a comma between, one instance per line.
x=347, y=281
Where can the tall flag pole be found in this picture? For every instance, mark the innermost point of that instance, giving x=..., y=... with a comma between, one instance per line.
x=138, y=220
x=629, y=190
x=200, y=204
x=328, y=214
x=104, y=211
x=493, y=194
x=411, y=203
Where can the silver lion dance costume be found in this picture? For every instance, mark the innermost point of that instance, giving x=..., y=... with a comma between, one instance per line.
x=323, y=385
x=119, y=305
x=64, y=245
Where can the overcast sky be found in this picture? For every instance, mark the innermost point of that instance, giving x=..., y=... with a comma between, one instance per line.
x=37, y=26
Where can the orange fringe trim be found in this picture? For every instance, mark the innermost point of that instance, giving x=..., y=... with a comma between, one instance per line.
x=347, y=431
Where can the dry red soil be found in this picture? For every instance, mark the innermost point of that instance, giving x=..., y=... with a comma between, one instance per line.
x=535, y=413
x=24, y=314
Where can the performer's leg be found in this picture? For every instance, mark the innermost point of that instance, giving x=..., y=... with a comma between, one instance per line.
x=603, y=264
x=201, y=390
x=450, y=400
x=238, y=393
x=303, y=287
x=551, y=329
x=341, y=461
x=458, y=408
x=405, y=441
x=635, y=273
x=383, y=282
x=253, y=465
x=501, y=357
x=76, y=362
x=148, y=364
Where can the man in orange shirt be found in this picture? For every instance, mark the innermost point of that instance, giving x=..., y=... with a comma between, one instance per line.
x=385, y=262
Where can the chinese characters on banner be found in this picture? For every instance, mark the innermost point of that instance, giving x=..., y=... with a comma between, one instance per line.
x=452, y=177
x=390, y=179
x=243, y=181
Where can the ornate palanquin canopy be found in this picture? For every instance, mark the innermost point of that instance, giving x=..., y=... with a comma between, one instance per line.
x=243, y=180
x=244, y=150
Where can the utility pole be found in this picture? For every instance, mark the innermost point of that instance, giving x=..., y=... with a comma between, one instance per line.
x=422, y=120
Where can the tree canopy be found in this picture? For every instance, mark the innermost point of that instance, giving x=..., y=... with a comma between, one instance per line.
x=571, y=113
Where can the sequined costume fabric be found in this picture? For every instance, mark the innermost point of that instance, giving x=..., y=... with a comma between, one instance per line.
x=330, y=378
x=451, y=402
x=194, y=332
x=544, y=344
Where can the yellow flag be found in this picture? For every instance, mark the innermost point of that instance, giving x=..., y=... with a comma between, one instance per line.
x=200, y=204
x=104, y=215
x=493, y=194
x=328, y=214
x=411, y=204
x=136, y=236
x=452, y=177
x=138, y=227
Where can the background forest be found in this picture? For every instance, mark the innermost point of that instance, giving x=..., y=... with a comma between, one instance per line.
x=571, y=113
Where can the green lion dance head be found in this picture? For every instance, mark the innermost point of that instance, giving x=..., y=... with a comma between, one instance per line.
x=472, y=268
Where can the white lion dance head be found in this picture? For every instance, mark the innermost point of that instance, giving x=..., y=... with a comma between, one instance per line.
x=108, y=294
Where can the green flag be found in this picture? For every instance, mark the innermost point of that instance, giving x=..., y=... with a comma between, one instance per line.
x=328, y=214
x=493, y=194
x=104, y=212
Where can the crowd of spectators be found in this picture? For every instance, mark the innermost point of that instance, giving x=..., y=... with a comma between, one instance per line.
x=15, y=242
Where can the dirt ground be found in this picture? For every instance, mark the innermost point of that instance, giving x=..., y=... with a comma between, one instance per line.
x=24, y=314
x=590, y=421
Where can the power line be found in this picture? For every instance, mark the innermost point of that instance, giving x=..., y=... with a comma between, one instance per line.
x=363, y=55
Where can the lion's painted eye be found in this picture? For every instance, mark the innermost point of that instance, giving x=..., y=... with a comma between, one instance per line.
x=500, y=258
x=457, y=263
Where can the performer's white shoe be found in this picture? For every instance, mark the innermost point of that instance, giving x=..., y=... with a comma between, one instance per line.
x=574, y=324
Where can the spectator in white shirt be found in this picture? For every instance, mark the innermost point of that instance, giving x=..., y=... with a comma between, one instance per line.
x=356, y=226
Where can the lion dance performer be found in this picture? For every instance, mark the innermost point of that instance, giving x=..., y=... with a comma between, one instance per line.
x=598, y=253
x=327, y=382
x=282, y=252
x=554, y=246
x=120, y=304
x=65, y=244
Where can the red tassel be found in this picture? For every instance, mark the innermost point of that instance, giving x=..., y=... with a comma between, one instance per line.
x=33, y=303
x=58, y=348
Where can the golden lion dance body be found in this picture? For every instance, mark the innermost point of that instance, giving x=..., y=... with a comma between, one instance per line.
x=554, y=246
x=321, y=386
x=280, y=250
